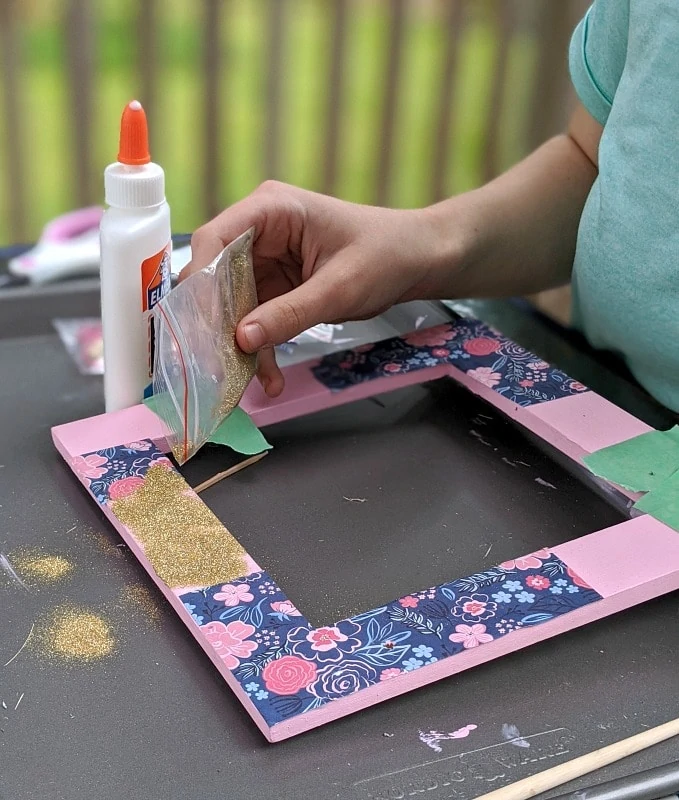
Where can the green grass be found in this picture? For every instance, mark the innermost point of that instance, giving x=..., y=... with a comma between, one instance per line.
x=47, y=133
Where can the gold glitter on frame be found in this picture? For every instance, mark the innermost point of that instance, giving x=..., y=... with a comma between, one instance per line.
x=184, y=541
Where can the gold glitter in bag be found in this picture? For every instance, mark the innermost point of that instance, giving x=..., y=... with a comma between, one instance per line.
x=200, y=372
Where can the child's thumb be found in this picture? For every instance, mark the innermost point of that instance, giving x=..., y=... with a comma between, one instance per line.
x=286, y=316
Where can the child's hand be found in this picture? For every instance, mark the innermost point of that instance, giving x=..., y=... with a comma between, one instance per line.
x=319, y=259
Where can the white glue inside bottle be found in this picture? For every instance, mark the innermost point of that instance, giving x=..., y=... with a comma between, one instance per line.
x=135, y=262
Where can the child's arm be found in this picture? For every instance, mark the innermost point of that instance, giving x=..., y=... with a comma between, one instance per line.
x=519, y=231
x=319, y=259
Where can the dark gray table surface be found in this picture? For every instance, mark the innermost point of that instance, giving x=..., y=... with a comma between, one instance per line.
x=155, y=720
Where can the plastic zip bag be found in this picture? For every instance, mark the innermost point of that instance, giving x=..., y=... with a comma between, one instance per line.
x=200, y=373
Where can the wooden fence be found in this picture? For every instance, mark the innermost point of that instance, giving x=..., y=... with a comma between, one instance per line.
x=547, y=23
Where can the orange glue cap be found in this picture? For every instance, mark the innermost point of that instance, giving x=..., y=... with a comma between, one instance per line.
x=134, y=136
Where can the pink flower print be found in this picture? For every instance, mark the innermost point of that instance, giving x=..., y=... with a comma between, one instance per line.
x=408, y=602
x=138, y=446
x=232, y=594
x=285, y=607
x=325, y=639
x=395, y=366
x=531, y=561
x=538, y=582
x=345, y=364
x=538, y=365
x=92, y=466
x=161, y=462
x=470, y=635
x=440, y=352
x=327, y=644
x=430, y=337
x=230, y=641
x=486, y=376
x=577, y=580
x=392, y=672
x=474, y=608
x=576, y=386
x=481, y=346
x=288, y=674
x=124, y=487
x=526, y=383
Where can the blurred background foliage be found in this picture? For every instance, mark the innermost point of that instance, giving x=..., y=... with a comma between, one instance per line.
x=68, y=68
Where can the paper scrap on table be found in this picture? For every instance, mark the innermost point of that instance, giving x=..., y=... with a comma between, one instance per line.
x=237, y=431
x=83, y=341
x=641, y=464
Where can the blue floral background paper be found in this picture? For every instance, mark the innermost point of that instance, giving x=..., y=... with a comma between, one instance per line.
x=288, y=667
x=116, y=472
x=470, y=345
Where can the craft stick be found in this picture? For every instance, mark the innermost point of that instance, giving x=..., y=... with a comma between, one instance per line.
x=563, y=773
x=227, y=472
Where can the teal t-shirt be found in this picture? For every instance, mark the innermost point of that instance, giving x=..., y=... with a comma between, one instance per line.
x=624, y=62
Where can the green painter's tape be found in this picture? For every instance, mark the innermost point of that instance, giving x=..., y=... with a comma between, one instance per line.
x=647, y=463
x=237, y=431
x=641, y=464
x=241, y=434
x=154, y=402
x=663, y=502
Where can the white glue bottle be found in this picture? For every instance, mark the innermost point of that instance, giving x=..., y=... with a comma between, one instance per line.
x=136, y=251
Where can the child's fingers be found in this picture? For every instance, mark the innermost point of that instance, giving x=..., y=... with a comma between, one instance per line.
x=209, y=240
x=269, y=373
x=320, y=299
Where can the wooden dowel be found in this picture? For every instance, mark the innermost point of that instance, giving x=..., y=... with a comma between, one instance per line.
x=227, y=472
x=338, y=41
x=147, y=61
x=549, y=111
x=276, y=18
x=395, y=42
x=79, y=33
x=212, y=67
x=455, y=20
x=563, y=773
x=12, y=108
x=503, y=18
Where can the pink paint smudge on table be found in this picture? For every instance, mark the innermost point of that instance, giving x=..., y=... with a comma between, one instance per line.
x=432, y=738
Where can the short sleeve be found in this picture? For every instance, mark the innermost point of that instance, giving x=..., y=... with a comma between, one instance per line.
x=597, y=55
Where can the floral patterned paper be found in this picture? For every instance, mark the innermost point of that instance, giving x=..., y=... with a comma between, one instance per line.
x=116, y=472
x=471, y=346
x=287, y=667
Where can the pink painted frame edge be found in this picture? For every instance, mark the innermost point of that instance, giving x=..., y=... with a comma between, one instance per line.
x=575, y=425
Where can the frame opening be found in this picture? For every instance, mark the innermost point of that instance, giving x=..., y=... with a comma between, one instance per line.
x=371, y=501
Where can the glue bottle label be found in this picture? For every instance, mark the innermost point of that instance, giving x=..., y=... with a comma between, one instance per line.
x=155, y=284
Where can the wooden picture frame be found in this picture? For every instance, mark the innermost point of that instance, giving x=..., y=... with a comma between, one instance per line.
x=292, y=677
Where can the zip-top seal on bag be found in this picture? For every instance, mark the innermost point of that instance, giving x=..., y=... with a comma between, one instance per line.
x=200, y=373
